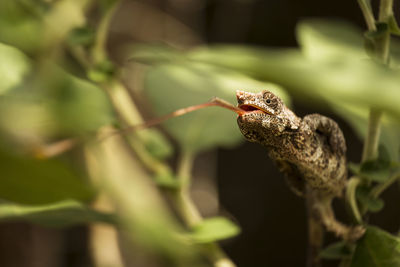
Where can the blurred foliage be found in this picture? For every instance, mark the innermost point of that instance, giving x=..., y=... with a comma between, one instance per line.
x=58, y=214
x=377, y=248
x=57, y=83
x=31, y=181
x=214, y=229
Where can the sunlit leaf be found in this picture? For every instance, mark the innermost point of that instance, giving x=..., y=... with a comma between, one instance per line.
x=393, y=26
x=59, y=214
x=322, y=40
x=377, y=248
x=14, y=65
x=214, y=229
x=52, y=104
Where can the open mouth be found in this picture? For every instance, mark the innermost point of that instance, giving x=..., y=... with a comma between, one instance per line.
x=253, y=108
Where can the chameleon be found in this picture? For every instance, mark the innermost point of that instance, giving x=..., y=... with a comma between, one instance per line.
x=310, y=151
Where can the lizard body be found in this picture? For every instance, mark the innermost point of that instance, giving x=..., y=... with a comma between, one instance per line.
x=311, y=151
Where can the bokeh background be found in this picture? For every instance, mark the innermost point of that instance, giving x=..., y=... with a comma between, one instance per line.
x=238, y=182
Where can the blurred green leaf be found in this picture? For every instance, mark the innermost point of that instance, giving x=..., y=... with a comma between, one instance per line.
x=59, y=214
x=20, y=25
x=377, y=170
x=393, y=26
x=53, y=103
x=102, y=72
x=154, y=54
x=322, y=40
x=81, y=36
x=30, y=181
x=34, y=27
x=214, y=229
x=63, y=16
x=365, y=198
x=167, y=180
x=377, y=248
x=14, y=66
x=338, y=250
x=156, y=144
x=173, y=86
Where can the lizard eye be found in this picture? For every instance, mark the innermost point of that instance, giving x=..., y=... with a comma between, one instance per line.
x=268, y=101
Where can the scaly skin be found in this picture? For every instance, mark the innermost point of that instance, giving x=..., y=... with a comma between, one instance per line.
x=310, y=151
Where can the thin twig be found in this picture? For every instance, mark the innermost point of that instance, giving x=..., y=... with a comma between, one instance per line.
x=189, y=212
x=371, y=144
x=351, y=197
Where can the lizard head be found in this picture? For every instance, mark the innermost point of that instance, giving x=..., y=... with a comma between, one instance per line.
x=266, y=116
x=264, y=102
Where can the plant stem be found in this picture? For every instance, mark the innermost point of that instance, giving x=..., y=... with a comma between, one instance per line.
x=351, y=197
x=383, y=186
x=372, y=140
x=385, y=10
x=189, y=212
x=99, y=53
x=368, y=15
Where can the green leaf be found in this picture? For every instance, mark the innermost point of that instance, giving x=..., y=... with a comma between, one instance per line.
x=21, y=26
x=214, y=229
x=154, y=54
x=377, y=170
x=393, y=26
x=81, y=36
x=59, y=214
x=167, y=180
x=173, y=86
x=377, y=248
x=14, y=66
x=53, y=104
x=156, y=144
x=30, y=181
x=371, y=203
x=338, y=250
x=322, y=40
x=102, y=72
x=354, y=167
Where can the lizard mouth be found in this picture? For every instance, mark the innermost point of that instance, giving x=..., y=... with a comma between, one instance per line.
x=253, y=108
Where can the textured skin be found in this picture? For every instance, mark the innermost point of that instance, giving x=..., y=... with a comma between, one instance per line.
x=310, y=151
